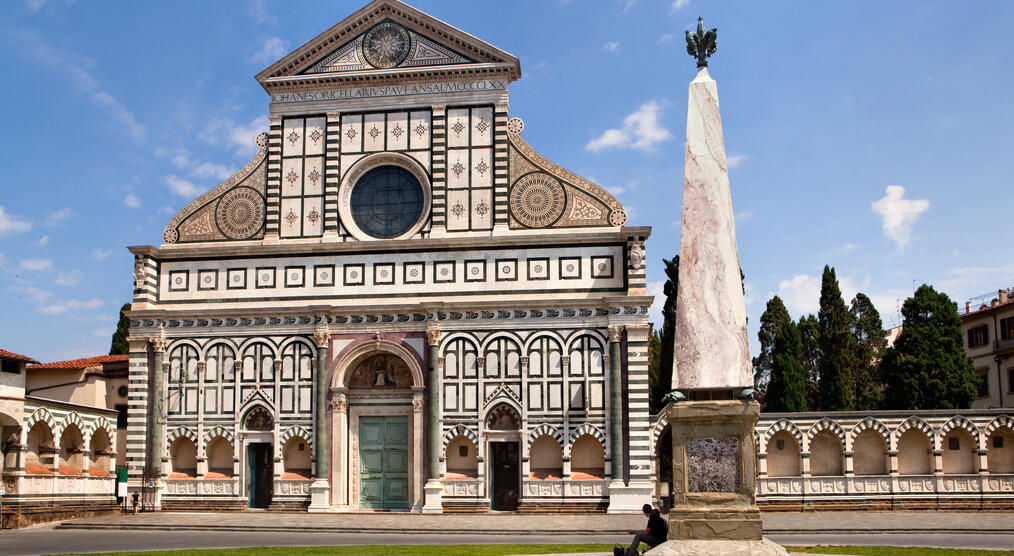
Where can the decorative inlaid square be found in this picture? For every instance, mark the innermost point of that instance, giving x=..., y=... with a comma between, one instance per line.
x=264, y=277
x=506, y=270
x=415, y=273
x=207, y=279
x=383, y=273
x=570, y=268
x=355, y=274
x=443, y=271
x=713, y=464
x=475, y=271
x=538, y=269
x=295, y=276
x=601, y=267
x=323, y=275
x=235, y=279
x=179, y=280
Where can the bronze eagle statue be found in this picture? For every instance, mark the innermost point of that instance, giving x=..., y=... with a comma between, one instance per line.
x=702, y=44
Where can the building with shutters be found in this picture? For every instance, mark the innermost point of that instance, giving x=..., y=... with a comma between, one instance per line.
x=397, y=304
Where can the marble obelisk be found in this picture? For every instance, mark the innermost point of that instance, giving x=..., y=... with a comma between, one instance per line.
x=712, y=412
x=711, y=351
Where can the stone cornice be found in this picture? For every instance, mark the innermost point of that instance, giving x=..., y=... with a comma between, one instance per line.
x=257, y=248
x=387, y=77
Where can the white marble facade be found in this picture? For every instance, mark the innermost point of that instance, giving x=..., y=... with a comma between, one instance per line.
x=395, y=258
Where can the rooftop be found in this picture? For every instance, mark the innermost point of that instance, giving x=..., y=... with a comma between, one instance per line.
x=983, y=303
x=4, y=354
x=82, y=363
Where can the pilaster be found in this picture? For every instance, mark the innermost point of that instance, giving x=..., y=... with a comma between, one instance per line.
x=320, y=489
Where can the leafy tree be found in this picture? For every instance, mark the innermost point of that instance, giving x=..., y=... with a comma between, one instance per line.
x=119, y=344
x=870, y=343
x=775, y=314
x=660, y=370
x=837, y=354
x=809, y=334
x=787, y=390
x=927, y=368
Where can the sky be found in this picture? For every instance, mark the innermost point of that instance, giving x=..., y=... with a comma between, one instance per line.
x=874, y=137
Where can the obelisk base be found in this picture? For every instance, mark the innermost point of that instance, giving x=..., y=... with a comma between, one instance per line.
x=714, y=507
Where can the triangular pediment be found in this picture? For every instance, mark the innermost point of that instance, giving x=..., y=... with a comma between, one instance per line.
x=385, y=39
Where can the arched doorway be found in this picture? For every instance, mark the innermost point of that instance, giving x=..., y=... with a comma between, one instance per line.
x=376, y=428
x=502, y=429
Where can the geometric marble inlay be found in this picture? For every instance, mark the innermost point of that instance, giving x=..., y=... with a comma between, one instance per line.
x=713, y=464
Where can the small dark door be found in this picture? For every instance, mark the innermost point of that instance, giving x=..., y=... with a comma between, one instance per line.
x=259, y=474
x=506, y=469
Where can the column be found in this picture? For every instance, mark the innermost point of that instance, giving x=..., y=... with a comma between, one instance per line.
x=339, y=474
x=156, y=445
x=433, y=490
x=320, y=488
x=615, y=406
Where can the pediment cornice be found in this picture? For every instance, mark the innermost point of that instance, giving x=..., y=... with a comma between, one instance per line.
x=483, y=58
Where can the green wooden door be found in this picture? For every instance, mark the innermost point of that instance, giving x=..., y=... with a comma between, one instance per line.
x=383, y=463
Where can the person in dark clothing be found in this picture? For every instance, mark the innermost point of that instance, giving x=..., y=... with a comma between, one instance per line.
x=655, y=534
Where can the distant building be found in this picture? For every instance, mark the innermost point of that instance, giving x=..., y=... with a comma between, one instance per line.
x=989, y=341
x=892, y=335
x=59, y=433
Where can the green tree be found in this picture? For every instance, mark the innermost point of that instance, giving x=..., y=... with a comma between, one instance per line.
x=775, y=314
x=787, y=390
x=119, y=344
x=837, y=352
x=927, y=368
x=660, y=370
x=870, y=343
x=809, y=334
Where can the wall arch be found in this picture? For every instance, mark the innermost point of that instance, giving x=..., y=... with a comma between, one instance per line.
x=824, y=424
x=826, y=453
x=72, y=418
x=42, y=414
x=869, y=452
x=502, y=334
x=179, y=431
x=573, y=337
x=219, y=430
x=583, y=429
x=959, y=421
x=545, y=429
x=915, y=451
x=657, y=432
x=867, y=424
x=916, y=422
x=531, y=339
x=296, y=431
x=781, y=425
x=459, y=430
x=545, y=457
x=1001, y=421
x=368, y=348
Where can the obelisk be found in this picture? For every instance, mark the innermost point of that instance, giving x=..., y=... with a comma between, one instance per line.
x=711, y=411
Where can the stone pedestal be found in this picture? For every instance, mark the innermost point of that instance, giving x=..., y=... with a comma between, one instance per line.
x=714, y=507
x=629, y=498
x=433, y=492
x=320, y=496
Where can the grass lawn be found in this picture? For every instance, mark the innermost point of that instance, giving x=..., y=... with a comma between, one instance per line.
x=505, y=549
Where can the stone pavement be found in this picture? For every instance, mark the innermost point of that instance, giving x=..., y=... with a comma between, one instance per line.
x=775, y=523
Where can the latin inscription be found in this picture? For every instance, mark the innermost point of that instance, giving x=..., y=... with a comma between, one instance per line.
x=390, y=91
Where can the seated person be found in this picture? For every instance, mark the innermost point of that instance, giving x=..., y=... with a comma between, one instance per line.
x=655, y=534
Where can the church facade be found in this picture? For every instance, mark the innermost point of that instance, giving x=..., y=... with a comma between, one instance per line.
x=397, y=304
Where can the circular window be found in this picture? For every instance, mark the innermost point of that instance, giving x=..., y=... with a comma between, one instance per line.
x=387, y=202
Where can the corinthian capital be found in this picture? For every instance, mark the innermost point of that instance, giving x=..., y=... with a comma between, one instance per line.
x=158, y=343
x=614, y=333
x=321, y=336
x=433, y=336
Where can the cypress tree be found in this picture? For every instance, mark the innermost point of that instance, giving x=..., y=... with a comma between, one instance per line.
x=119, y=345
x=927, y=368
x=775, y=314
x=837, y=354
x=809, y=334
x=660, y=369
x=787, y=390
x=870, y=343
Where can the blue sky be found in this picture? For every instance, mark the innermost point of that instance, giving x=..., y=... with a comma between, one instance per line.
x=874, y=137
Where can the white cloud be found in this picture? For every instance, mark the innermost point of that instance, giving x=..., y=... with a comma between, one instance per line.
x=678, y=5
x=101, y=254
x=74, y=67
x=12, y=223
x=743, y=216
x=35, y=5
x=628, y=5
x=223, y=132
x=36, y=264
x=211, y=170
x=37, y=295
x=43, y=241
x=55, y=218
x=735, y=160
x=132, y=201
x=70, y=305
x=260, y=12
x=655, y=311
x=801, y=293
x=667, y=37
x=618, y=190
x=898, y=214
x=611, y=46
x=68, y=278
x=183, y=187
x=271, y=51
x=641, y=130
